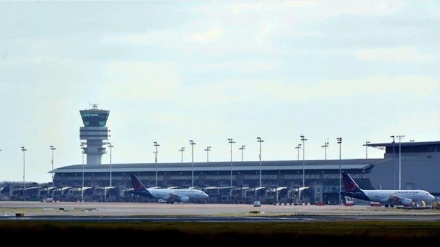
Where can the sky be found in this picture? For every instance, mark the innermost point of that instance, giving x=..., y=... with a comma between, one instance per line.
x=174, y=71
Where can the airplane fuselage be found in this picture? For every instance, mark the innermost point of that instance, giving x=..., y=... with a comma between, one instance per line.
x=387, y=197
x=384, y=195
x=165, y=193
x=169, y=195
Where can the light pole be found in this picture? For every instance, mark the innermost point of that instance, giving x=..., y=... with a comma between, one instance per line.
x=298, y=147
x=325, y=146
x=192, y=143
x=339, y=139
x=82, y=184
x=242, y=148
x=260, y=141
x=231, y=141
x=303, y=139
x=155, y=157
x=207, y=153
x=52, y=148
x=181, y=151
x=83, y=151
x=366, y=149
x=110, y=146
x=24, y=169
x=400, y=160
x=394, y=173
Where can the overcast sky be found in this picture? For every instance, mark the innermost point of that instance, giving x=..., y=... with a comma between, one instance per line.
x=174, y=71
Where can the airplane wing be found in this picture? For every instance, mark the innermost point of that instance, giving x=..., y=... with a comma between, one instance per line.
x=398, y=200
x=177, y=198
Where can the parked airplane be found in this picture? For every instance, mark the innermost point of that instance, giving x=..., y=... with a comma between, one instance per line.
x=169, y=195
x=386, y=197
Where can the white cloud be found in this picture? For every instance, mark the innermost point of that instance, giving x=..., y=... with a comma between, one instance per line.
x=398, y=54
x=142, y=80
x=214, y=33
x=213, y=70
x=414, y=86
x=148, y=38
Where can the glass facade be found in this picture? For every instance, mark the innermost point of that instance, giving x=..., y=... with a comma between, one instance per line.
x=94, y=118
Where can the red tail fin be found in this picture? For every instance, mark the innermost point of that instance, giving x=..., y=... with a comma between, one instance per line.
x=350, y=184
x=136, y=183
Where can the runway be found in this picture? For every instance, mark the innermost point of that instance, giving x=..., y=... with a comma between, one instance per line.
x=220, y=224
x=20, y=209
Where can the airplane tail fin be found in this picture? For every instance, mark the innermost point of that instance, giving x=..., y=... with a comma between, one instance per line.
x=350, y=185
x=137, y=184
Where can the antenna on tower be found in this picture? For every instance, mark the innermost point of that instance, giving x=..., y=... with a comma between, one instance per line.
x=93, y=106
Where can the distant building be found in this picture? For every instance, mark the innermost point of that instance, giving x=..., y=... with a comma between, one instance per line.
x=406, y=165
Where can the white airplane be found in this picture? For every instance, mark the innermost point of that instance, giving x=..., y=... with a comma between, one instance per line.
x=167, y=195
x=386, y=197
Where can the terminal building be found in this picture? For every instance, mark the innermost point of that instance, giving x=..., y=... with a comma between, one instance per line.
x=405, y=165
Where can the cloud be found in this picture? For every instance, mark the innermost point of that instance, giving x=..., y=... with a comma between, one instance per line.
x=156, y=37
x=214, y=33
x=142, y=81
x=414, y=86
x=398, y=54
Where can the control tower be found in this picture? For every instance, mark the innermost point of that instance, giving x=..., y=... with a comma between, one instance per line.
x=94, y=132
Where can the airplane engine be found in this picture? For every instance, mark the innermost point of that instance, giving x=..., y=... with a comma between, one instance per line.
x=406, y=201
x=184, y=198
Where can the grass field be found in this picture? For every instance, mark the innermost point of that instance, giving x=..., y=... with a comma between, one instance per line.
x=205, y=234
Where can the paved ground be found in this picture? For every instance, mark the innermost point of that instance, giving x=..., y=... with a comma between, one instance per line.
x=118, y=222
x=11, y=208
